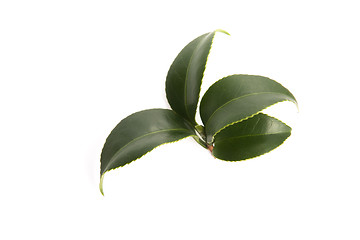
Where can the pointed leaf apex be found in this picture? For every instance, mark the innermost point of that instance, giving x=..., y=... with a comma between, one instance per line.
x=223, y=31
x=297, y=106
x=101, y=184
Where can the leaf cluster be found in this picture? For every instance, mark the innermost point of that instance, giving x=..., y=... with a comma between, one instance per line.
x=233, y=127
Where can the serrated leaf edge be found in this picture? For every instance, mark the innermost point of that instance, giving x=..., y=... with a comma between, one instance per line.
x=142, y=136
x=247, y=95
x=259, y=134
x=230, y=75
x=295, y=102
x=103, y=174
x=207, y=58
x=203, y=73
x=212, y=140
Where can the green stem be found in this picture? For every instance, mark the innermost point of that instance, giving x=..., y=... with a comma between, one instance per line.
x=200, y=141
x=200, y=138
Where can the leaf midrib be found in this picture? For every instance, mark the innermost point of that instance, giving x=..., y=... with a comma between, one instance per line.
x=253, y=135
x=113, y=158
x=186, y=76
x=234, y=99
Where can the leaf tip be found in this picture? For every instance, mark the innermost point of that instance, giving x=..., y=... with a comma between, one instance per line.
x=297, y=106
x=101, y=184
x=223, y=31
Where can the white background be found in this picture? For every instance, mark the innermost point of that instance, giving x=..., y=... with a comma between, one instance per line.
x=71, y=70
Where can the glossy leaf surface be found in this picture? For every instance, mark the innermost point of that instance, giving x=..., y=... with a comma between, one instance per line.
x=250, y=138
x=138, y=134
x=185, y=75
x=237, y=97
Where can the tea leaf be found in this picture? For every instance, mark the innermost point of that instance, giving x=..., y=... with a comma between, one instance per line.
x=250, y=138
x=140, y=133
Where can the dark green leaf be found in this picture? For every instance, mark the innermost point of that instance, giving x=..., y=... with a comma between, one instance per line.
x=250, y=138
x=185, y=75
x=237, y=97
x=138, y=134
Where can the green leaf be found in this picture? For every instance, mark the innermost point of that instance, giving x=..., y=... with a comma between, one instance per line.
x=138, y=134
x=237, y=97
x=250, y=138
x=185, y=75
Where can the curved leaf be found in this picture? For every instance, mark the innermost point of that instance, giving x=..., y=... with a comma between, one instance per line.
x=237, y=97
x=184, y=78
x=250, y=138
x=138, y=134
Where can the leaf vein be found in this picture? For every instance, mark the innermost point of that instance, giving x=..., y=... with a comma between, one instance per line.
x=235, y=99
x=137, y=138
x=251, y=135
x=187, y=72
